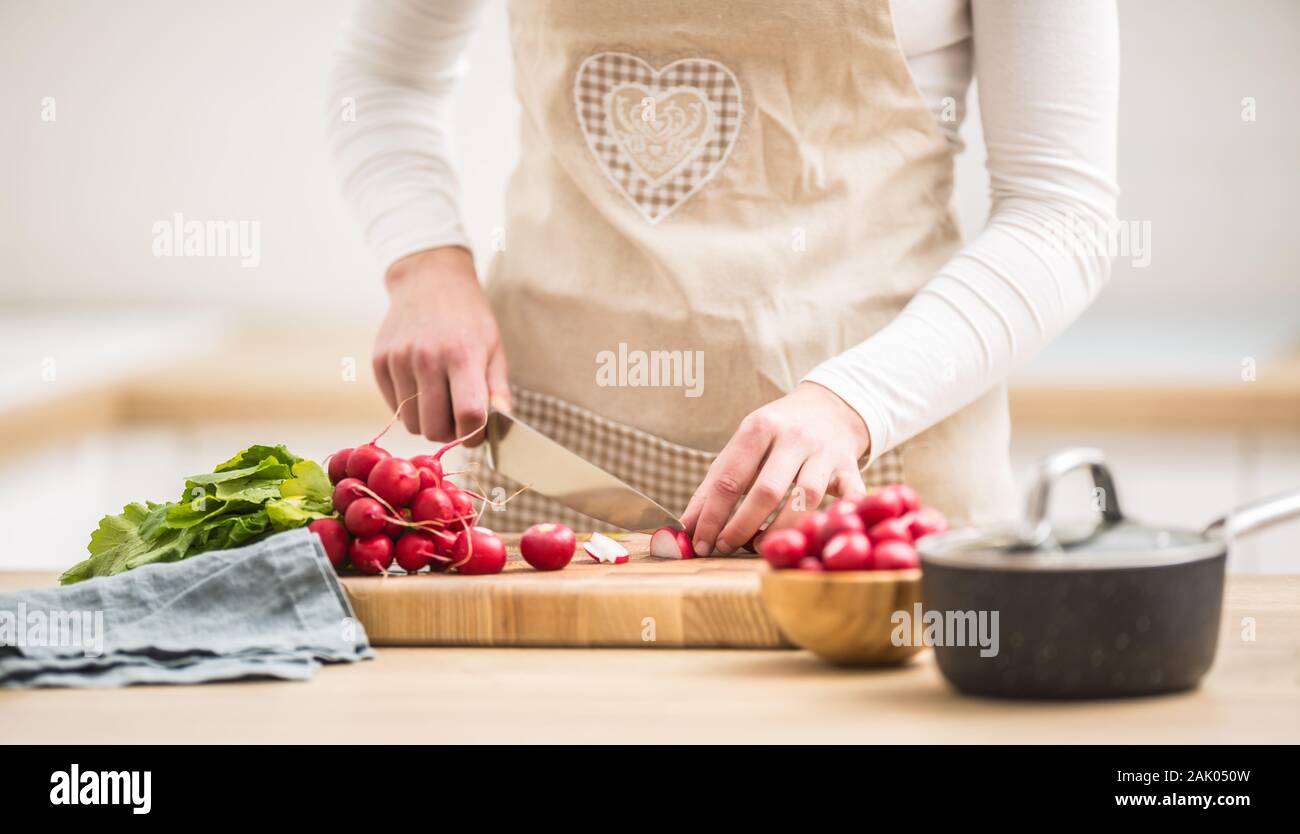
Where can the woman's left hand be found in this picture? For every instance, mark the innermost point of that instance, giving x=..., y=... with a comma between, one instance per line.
x=809, y=438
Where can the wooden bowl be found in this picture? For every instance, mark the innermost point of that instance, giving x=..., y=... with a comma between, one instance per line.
x=845, y=617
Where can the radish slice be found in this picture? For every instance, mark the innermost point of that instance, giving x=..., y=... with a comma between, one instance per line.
x=605, y=550
x=667, y=543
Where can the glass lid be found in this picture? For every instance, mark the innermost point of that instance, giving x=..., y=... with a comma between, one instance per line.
x=1110, y=542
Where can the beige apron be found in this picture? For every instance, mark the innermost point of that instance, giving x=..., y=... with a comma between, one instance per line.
x=714, y=196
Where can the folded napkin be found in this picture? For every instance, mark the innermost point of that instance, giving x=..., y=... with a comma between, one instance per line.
x=273, y=609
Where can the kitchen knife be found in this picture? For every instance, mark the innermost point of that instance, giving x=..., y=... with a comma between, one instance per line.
x=525, y=455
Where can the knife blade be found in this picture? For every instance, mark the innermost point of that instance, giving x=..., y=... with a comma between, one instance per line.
x=523, y=454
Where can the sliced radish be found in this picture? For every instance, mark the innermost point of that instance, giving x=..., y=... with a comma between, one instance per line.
x=605, y=550
x=667, y=543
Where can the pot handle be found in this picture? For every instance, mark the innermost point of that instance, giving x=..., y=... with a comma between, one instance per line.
x=1256, y=515
x=1038, y=525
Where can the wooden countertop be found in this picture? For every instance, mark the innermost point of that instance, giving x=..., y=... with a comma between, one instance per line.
x=669, y=695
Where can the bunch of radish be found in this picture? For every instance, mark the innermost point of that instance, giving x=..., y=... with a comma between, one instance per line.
x=392, y=509
x=404, y=511
x=876, y=532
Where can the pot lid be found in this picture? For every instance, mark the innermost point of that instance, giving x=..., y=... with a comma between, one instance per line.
x=1112, y=542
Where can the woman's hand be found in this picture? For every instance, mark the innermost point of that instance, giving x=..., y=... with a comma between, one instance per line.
x=810, y=438
x=440, y=339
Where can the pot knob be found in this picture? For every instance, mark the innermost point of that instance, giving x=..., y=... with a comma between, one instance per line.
x=1037, y=524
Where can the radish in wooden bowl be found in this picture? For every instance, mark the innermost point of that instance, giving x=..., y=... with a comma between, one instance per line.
x=833, y=586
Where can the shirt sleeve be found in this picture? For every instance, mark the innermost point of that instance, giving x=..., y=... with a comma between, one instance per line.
x=389, y=120
x=1048, y=81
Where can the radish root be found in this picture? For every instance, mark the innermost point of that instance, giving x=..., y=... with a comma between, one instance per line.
x=446, y=447
x=396, y=414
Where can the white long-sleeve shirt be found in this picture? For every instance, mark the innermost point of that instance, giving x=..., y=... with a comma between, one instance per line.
x=1048, y=93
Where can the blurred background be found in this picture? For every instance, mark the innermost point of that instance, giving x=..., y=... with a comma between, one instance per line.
x=122, y=371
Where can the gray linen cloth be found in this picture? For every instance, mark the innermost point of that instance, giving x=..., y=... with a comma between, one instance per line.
x=273, y=609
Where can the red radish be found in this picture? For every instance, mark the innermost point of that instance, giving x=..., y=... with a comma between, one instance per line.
x=667, y=543
x=895, y=555
x=687, y=549
x=365, y=517
x=811, y=524
x=925, y=522
x=754, y=540
x=338, y=466
x=811, y=564
x=430, y=468
x=843, y=506
x=334, y=537
x=371, y=554
x=433, y=463
x=444, y=543
x=548, y=546
x=907, y=497
x=841, y=517
x=877, y=506
x=394, y=480
x=891, y=529
x=847, y=551
x=433, y=504
x=363, y=459
x=416, y=551
x=347, y=491
x=460, y=501
x=392, y=529
x=784, y=548
x=428, y=479
x=444, y=539
x=605, y=550
x=478, y=551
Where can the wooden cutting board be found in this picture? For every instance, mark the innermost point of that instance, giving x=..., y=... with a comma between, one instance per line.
x=647, y=602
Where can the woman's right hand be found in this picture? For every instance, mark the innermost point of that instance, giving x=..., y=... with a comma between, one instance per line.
x=440, y=340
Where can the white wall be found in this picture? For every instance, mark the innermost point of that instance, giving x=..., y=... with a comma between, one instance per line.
x=1221, y=194
x=215, y=110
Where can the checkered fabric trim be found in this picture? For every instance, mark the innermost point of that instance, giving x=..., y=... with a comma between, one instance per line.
x=665, y=471
x=688, y=145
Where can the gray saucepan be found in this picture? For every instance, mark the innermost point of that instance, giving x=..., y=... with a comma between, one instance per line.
x=1113, y=608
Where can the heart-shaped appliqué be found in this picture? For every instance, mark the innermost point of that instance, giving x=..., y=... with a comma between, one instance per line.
x=659, y=135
